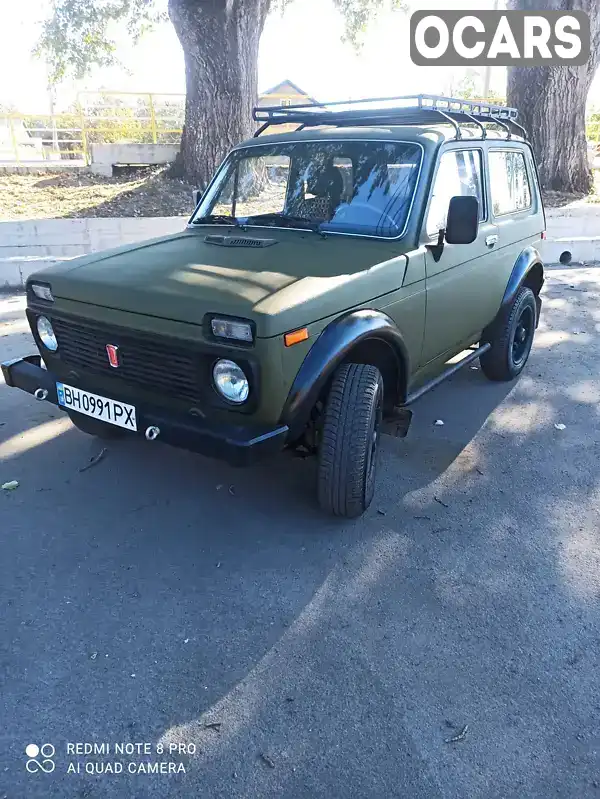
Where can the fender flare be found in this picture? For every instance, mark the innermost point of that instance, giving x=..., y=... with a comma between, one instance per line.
x=526, y=261
x=329, y=351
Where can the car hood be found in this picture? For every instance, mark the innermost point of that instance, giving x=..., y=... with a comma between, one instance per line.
x=183, y=277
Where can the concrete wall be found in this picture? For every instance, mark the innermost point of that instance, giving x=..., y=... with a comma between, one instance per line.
x=58, y=238
x=575, y=229
x=104, y=156
x=28, y=246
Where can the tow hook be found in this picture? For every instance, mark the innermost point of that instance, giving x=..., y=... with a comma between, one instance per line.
x=152, y=433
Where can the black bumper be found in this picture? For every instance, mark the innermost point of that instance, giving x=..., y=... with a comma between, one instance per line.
x=236, y=444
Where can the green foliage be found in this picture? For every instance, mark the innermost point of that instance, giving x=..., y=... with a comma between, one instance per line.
x=109, y=119
x=118, y=119
x=76, y=36
x=359, y=13
x=496, y=98
x=593, y=127
x=468, y=86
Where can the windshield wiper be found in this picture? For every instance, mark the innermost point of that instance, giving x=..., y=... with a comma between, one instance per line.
x=217, y=219
x=285, y=220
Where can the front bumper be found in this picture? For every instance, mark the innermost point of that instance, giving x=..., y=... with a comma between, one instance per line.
x=239, y=445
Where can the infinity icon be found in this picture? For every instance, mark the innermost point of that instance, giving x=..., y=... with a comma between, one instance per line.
x=46, y=765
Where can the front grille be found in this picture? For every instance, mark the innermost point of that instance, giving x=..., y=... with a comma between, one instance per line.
x=148, y=362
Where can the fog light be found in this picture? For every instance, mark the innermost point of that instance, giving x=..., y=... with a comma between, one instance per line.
x=231, y=382
x=46, y=334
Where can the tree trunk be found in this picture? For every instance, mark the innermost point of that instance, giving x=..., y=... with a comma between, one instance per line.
x=220, y=40
x=552, y=105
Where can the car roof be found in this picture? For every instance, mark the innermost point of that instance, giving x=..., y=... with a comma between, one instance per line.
x=430, y=137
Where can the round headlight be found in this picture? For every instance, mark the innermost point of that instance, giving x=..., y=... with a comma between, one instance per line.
x=231, y=382
x=46, y=333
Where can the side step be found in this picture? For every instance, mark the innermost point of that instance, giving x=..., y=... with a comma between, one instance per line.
x=398, y=423
x=451, y=370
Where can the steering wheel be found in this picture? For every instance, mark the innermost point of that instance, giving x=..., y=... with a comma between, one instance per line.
x=382, y=218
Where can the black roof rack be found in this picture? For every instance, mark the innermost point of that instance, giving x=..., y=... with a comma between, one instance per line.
x=420, y=109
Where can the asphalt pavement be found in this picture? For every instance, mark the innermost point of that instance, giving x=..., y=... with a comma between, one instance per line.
x=446, y=645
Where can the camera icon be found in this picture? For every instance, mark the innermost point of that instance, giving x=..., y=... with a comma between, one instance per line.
x=40, y=758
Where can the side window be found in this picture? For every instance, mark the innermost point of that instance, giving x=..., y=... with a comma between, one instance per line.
x=509, y=181
x=459, y=174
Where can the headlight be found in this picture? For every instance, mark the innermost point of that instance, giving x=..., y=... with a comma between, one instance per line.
x=42, y=292
x=231, y=382
x=230, y=328
x=46, y=334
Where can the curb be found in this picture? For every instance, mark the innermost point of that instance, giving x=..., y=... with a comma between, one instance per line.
x=15, y=271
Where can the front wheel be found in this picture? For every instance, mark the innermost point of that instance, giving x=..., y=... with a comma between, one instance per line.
x=511, y=339
x=350, y=440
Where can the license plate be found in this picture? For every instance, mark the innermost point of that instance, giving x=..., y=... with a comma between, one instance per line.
x=101, y=408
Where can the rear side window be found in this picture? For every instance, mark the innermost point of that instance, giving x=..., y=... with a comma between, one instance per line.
x=509, y=181
x=459, y=175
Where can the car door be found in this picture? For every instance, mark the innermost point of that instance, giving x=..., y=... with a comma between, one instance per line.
x=516, y=208
x=457, y=303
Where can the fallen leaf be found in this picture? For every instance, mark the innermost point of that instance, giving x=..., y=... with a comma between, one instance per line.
x=460, y=737
x=560, y=426
x=95, y=460
x=11, y=485
x=439, y=423
x=213, y=725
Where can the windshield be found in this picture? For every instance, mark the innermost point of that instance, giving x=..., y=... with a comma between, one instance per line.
x=362, y=187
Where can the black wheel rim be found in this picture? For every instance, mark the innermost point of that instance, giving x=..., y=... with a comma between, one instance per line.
x=523, y=335
x=373, y=449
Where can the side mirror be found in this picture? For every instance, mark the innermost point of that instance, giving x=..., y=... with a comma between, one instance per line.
x=462, y=225
x=197, y=195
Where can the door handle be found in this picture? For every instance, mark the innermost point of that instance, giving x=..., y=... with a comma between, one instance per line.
x=491, y=240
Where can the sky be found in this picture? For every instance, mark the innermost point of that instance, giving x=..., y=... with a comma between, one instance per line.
x=303, y=45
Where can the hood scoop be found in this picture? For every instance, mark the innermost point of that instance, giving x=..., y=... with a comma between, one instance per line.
x=236, y=241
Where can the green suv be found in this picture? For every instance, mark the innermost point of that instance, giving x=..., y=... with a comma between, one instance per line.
x=324, y=281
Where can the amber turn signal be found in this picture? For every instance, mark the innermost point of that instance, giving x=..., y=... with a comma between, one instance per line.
x=295, y=337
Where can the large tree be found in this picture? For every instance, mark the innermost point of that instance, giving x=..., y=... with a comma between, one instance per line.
x=552, y=104
x=220, y=40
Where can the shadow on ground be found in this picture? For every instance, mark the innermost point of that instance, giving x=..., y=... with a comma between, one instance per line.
x=158, y=592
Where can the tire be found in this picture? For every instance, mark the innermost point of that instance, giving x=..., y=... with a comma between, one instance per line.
x=511, y=339
x=350, y=440
x=93, y=427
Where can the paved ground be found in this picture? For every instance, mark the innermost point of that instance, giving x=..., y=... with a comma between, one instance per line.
x=142, y=600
